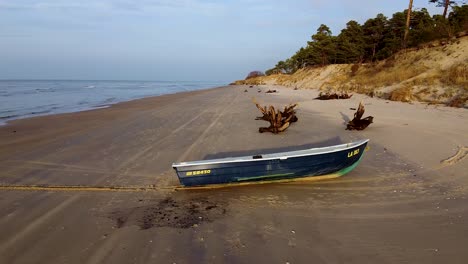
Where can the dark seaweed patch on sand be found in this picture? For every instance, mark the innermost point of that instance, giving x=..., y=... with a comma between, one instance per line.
x=170, y=213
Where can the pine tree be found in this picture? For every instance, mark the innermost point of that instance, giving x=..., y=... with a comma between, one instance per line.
x=459, y=18
x=393, y=35
x=373, y=30
x=422, y=28
x=408, y=18
x=379, y=37
x=322, y=45
x=443, y=3
x=350, y=43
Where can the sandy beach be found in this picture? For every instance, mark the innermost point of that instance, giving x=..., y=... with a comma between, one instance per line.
x=402, y=204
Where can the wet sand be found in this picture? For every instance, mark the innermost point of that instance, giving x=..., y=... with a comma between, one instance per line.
x=400, y=205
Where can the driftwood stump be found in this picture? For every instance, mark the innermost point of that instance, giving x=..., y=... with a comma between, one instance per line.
x=359, y=123
x=279, y=120
x=331, y=96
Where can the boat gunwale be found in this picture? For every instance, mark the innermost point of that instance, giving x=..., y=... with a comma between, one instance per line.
x=340, y=147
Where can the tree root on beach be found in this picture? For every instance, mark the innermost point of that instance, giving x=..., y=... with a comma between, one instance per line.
x=279, y=120
x=458, y=101
x=330, y=96
x=359, y=123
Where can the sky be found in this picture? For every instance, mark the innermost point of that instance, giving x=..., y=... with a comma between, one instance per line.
x=172, y=40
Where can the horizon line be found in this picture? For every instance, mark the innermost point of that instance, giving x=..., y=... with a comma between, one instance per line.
x=106, y=80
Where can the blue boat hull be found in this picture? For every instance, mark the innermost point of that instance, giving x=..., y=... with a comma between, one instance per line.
x=284, y=168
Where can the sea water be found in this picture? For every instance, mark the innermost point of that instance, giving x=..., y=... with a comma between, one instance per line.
x=28, y=98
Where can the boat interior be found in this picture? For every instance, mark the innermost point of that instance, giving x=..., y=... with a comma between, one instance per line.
x=279, y=155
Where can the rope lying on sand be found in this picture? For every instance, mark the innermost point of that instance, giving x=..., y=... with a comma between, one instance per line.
x=82, y=188
x=63, y=188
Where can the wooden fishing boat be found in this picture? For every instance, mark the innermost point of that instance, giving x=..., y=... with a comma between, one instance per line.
x=325, y=162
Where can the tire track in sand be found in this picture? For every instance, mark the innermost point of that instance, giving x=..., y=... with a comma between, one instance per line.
x=5, y=246
x=152, y=144
x=200, y=138
x=81, y=134
x=40, y=221
x=99, y=255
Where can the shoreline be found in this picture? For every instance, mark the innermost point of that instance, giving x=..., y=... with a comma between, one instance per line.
x=399, y=203
x=6, y=121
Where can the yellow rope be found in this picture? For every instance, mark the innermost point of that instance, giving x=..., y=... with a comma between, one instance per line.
x=81, y=188
x=64, y=188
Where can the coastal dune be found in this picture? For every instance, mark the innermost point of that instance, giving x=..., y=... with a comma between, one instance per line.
x=405, y=202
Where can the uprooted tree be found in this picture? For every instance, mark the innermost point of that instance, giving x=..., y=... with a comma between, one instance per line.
x=279, y=120
x=331, y=96
x=359, y=123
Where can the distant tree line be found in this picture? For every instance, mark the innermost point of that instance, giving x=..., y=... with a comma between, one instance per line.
x=378, y=38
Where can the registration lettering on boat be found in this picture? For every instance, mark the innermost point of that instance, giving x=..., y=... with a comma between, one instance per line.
x=198, y=172
x=352, y=153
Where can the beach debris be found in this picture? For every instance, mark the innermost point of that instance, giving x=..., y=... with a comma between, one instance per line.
x=359, y=123
x=458, y=101
x=459, y=156
x=271, y=91
x=169, y=212
x=331, y=96
x=279, y=120
x=245, y=91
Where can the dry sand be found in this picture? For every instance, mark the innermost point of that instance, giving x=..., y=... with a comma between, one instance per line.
x=400, y=205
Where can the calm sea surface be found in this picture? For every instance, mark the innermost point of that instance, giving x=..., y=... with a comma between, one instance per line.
x=20, y=99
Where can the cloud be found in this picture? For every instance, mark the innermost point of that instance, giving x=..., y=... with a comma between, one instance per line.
x=145, y=6
x=31, y=5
